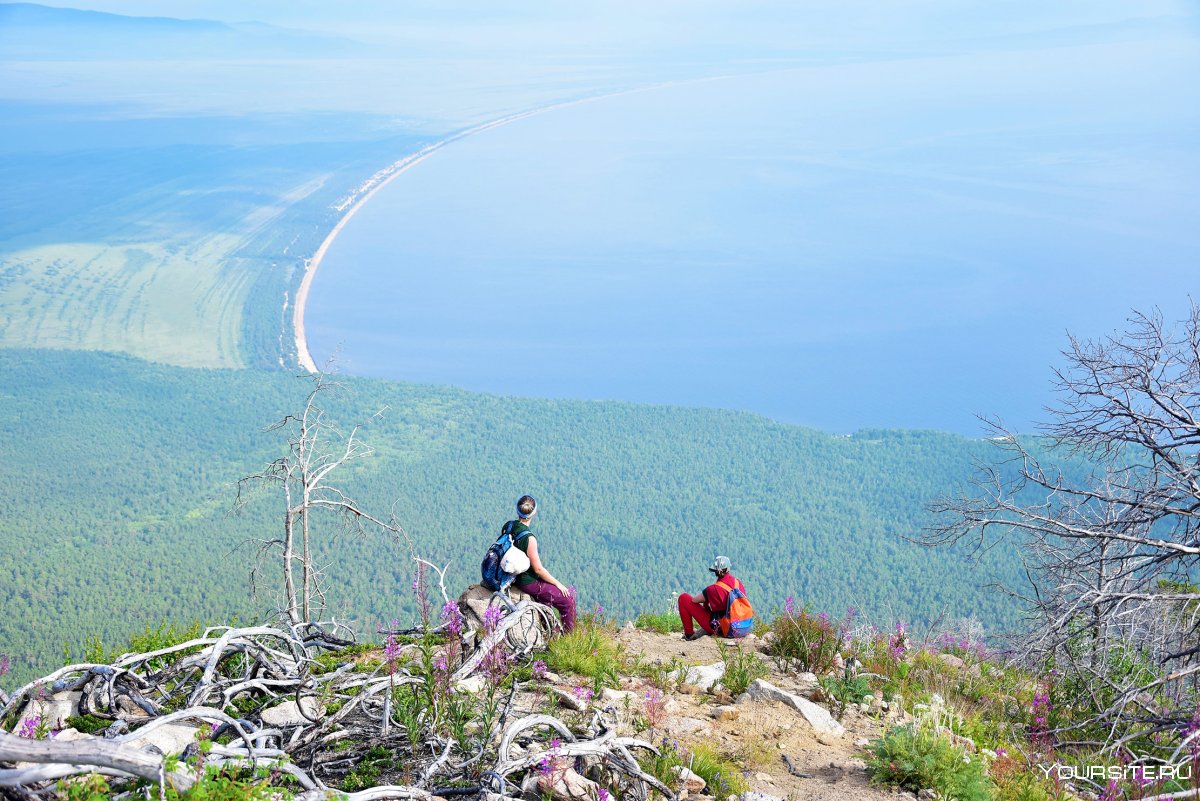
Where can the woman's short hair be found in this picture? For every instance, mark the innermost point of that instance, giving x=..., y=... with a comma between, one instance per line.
x=526, y=506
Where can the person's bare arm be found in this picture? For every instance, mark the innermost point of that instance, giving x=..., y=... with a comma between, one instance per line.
x=699, y=598
x=539, y=569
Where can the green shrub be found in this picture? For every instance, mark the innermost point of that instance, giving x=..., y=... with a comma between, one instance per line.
x=723, y=777
x=88, y=724
x=741, y=668
x=804, y=641
x=915, y=759
x=589, y=651
x=844, y=691
x=661, y=622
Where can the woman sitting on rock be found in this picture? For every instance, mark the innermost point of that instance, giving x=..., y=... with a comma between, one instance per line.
x=537, y=582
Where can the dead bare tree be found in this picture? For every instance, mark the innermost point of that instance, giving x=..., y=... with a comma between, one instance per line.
x=316, y=447
x=1111, y=535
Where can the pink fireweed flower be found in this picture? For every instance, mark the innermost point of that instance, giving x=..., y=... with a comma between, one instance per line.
x=30, y=726
x=1192, y=730
x=583, y=693
x=789, y=606
x=492, y=618
x=453, y=618
x=391, y=653
x=898, y=643
x=1039, y=729
x=656, y=707
x=3, y=664
x=603, y=795
x=1111, y=792
x=539, y=669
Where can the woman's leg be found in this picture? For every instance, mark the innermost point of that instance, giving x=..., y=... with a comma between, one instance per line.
x=555, y=598
x=689, y=610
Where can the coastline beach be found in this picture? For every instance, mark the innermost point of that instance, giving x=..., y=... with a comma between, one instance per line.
x=367, y=190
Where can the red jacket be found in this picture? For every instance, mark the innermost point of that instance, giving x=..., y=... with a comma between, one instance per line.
x=716, y=595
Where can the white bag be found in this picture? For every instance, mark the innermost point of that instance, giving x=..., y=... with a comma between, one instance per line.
x=514, y=562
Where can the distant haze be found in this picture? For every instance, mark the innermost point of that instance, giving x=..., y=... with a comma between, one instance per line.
x=841, y=214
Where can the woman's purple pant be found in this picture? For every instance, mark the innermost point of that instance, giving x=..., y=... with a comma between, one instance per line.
x=553, y=597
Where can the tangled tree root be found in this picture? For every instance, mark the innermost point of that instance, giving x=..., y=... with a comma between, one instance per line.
x=258, y=698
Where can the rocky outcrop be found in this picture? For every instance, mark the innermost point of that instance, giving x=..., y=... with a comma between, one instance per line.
x=816, y=716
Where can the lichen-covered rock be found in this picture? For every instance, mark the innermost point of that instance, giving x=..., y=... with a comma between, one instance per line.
x=288, y=713
x=817, y=716
x=52, y=710
x=474, y=602
x=170, y=738
x=567, y=785
x=702, y=677
x=688, y=781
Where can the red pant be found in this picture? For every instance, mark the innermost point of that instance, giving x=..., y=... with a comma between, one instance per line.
x=553, y=597
x=689, y=610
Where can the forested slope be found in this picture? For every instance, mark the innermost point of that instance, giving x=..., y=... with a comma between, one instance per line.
x=119, y=477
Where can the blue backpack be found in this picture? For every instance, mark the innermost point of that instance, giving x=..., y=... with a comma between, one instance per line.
x=492, y=573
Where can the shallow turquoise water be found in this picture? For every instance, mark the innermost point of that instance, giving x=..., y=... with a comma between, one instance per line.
x=897, y=243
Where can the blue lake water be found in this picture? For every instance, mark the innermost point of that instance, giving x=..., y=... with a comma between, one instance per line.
x=899, y=243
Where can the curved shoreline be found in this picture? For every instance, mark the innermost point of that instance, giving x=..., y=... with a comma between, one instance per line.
x=378, y=181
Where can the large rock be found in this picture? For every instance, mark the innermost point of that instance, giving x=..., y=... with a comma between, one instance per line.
x=952, y=661
x=566, y=699
x=751, y=795
x=620, y=697
x=474, y=604
x=288, y=713
x=170, y=738
x=688, y=781
x=53, y=710
x=703, y=677
x=817, y=716
x=472, y=684
x=684, y=726
x=566, y=785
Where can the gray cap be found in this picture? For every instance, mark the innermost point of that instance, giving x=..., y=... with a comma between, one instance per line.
x=721, y=565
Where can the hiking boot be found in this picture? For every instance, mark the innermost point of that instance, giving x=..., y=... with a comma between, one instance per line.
x=696, y=636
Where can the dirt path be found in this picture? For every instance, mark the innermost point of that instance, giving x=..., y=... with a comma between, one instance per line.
x=763, y=732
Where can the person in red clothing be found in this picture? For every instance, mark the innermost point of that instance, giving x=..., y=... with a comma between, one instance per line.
x=706, y=607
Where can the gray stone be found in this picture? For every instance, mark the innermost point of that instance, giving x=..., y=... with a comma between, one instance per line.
x=685, y=725
x=862, y=742
x=751, y=795
x=703, y=676
x=567, y=785
x=619, y=697
x=54, y=710
x=828, y=738
x=688, y=781
x=472, y=684
x=474, y=603
x=817, y=716
x=288, y=713
x=566, y=699
x=170, y=738
x=950, y=660
x=725, y=712
x=965, y=743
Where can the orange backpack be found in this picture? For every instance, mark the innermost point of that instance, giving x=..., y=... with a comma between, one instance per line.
x=738, y=618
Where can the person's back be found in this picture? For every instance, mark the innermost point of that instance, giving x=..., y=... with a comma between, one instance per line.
x=706, y=609
x=537, y=582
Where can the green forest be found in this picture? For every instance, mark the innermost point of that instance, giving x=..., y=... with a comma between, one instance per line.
x=120, y=479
